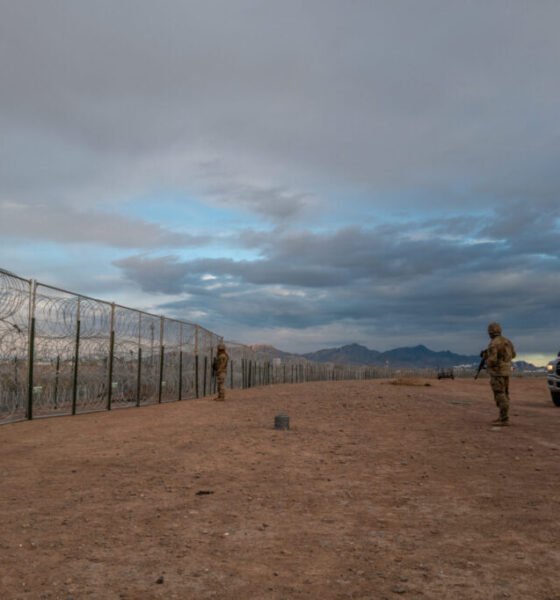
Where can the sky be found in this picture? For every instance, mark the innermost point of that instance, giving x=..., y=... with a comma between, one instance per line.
x=305, y=174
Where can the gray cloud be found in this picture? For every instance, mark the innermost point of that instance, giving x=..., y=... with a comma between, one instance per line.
x=383, y=96
x=273, y=203
x=68, y=224
x=400, y=156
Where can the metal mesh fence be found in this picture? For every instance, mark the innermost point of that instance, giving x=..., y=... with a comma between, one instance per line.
x=64, y=353
x=14, y=339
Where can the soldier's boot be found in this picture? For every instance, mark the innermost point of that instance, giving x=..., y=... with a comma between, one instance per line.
x=503, y=419
x=504, y=410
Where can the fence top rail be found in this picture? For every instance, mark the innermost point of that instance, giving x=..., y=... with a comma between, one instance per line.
x=108, y=303
x=10, y=274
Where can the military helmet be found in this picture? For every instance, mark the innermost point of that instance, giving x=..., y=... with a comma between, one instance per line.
x=494, y=329
x=221, y=346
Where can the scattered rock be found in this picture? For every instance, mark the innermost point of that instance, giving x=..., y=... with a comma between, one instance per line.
x=160, y=579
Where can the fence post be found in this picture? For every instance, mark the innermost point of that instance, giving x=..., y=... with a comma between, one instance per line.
x=197, y=391
x=31, y=347
x=139, y=366
x=205, y=375
x=196, y=384
x=180, y=386
x=111, y=357
x=76, y=359
x=161, y=359
x=139, y=377
x=212, y=376
x=56, y=377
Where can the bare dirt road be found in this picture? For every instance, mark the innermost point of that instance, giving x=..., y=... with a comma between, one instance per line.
x=378, y=491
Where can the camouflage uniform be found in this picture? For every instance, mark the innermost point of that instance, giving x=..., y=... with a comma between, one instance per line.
x=220, y=369
x=499, y=355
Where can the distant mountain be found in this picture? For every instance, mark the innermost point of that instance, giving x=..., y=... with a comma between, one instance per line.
x=422, y=357
x=521, y=365
x=353, y=354
x=419, y=357
x=416, y=357
x=272, y=352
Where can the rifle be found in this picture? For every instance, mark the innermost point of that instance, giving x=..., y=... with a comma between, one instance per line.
x=482, y=364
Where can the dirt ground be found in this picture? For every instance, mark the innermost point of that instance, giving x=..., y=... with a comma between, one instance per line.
x=378, y=491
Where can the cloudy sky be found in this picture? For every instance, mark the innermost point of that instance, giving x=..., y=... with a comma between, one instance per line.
x=304, y=173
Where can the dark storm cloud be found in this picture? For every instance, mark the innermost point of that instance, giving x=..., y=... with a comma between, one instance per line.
x=388, y=280
x=454, y=310
x=529, y=228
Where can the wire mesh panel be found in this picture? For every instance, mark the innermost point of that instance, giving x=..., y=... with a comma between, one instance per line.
x=125, y=360
x=54, y=343
x=206, y=344
x=71, y=353
x=238, y=355
x=92, y=352
x=171, y=360
x=14, y=340
x=149, y=361
x=187, y=362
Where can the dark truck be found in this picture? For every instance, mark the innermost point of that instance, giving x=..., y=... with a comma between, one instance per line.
x=553, y=379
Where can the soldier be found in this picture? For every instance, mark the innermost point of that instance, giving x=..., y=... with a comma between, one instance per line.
x=498, y=357
x=220, y=368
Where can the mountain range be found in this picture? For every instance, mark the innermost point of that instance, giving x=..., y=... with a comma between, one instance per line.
x=415, y=356
x=419, y=357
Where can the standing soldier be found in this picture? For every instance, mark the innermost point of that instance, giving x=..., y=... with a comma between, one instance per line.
x=498, y=357
x=220, y=368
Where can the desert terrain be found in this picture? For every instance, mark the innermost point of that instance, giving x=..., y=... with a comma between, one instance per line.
x=381, y=489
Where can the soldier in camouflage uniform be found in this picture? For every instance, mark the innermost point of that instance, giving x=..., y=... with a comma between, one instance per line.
x=498, y=357
x=220, y=369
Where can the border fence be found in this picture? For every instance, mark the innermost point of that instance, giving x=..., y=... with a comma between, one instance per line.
x=63, y=353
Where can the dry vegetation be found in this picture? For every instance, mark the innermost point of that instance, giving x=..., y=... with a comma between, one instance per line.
x=410, y=381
